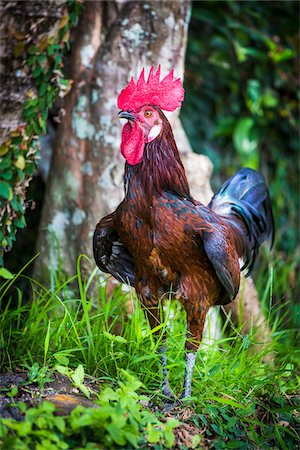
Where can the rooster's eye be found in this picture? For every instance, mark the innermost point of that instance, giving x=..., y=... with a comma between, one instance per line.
x=148, y=113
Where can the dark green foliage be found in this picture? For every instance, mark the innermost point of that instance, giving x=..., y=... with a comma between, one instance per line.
x=241, y=109
x=18, y=154
x=241, y=106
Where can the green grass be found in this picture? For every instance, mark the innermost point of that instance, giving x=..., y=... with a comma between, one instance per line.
x=239, y=400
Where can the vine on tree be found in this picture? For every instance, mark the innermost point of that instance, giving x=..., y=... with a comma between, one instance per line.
x=19, y=153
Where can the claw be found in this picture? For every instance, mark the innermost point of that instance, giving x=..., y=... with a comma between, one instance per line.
x=169, y=405
x=167, y=392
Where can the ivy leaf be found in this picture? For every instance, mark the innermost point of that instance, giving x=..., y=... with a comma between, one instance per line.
x=7, y=175
x=33, y=49
x=31, y=60
x=63, y=21
x=41, y=58
x=3, y=149
x=5, y=191
x=21, y=222
x=20, y=163
x=43, y=89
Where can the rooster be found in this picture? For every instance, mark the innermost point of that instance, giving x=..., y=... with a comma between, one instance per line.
x=161, y=239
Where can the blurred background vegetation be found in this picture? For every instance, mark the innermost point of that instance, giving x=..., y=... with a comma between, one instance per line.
x=240, y=109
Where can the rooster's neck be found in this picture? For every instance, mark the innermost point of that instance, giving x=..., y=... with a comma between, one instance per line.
x=160, y=170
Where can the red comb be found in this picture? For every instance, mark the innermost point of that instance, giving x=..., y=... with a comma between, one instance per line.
x=166, y=94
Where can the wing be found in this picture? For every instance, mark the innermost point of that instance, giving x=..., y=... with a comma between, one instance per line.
x=110, y=253
x=225, y=261
x=220, y=246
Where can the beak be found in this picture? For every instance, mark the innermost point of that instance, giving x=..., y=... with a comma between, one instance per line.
x=126, y=115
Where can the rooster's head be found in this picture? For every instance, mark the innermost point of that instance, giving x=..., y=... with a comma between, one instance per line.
x=140, y=104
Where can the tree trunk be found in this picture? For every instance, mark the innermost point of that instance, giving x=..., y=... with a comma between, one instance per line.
x=112, y=42
x=20, y=22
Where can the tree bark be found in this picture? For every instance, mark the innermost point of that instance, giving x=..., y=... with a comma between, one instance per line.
x=21, y=22
x=112, y=42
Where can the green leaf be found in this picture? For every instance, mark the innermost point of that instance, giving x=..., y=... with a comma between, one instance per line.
x=5, y=191
x=20, y=162
x=217, y=429
x=60, y=424
x=169, y=438
x=43, y=89
x=31, y=60
x=153, y=433
x=5, y=162
x=33, y=49
x=269, y=99
x=245, y=142
x=225, y=126
x=47, y=340
x=227, y=401
x=114, y=338
x=7, y=175
x=14, y=390
x=62, y=369
x=20, y=223
x=78, y=375
x=17, y=140
x=37, y=71
x=132, y=438
x=41, y=58
x=196, y=439
x=61, y=359
x=84, y=390
x=4, y=273
x=172, y=423
x=116, y=434
x=234, y=443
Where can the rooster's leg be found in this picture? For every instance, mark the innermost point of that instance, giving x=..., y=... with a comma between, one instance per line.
x=165, y=385
x=195, y=324
x=154, y=317
x=190, y=359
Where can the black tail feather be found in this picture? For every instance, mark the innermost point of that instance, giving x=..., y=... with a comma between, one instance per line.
x=244, y=200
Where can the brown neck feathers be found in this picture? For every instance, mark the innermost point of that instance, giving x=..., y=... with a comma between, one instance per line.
x=161, y=168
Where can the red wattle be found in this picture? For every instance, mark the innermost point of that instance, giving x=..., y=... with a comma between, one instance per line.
x=132, y=144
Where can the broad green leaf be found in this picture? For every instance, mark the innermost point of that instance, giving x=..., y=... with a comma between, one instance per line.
x=20, y=163
x=62, y=369
x=78, y=375
x=4, y=273
x=5, y=191
x=61, y=359
x=84, y=390
x=21, y=222
x=153, y=434
x=227, y=401
x=196, y=439
x=116, y=434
